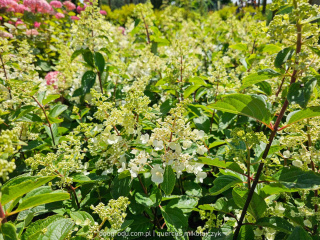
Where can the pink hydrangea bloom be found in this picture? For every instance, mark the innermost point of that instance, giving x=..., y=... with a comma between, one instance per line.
x=32, y=32
x=41, y=6
x=36, y=24
x=8, y=3
x=123, y=30
x=19, y=22
x=52, y=77
x=80, y=9
x=74, y=18
x=20, y=8
x=5, y=35
x=59, y=15
x=69, y=5
x=56, y=4
x=103, y=12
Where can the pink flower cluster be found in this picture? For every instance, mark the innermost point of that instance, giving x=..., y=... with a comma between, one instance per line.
x=69, y=5
x=52, y=77
x=56, y=4
x=103, y=12
x=59, y=15
x=32, y=32
x=5, y=35
x=38, y=6
x=80, y=9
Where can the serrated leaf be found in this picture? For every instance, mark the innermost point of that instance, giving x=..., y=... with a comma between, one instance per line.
x=169, y=180
x=19, y=186
x=36, y=228
x=58, y=230
x=99, y=61
x=87, y=81
x=283, y=56
x=257, y=77
x=223, y=183
x=22, y=111
x=246, y=105
x=301, y=93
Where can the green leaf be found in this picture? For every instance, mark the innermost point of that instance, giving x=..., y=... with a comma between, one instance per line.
x=265, y=87
x=277, y=223
x=42, y=199
x=315, y=50
x=246, y=232
x=29, y=117
x=36, y=228
x=315, y=18
x=257, y=205
x=216, y=143
x=50, y=98
x=87, y=81
x=301, y=93
x=219, y=163
x=257, y=77
x=120, y=187
x=58, y=230
x=169, y=180
x=223, y=183
x=17, y=187
x=239, y=46
x=175, y=220
x=185, y=203
x=274, y=188
x=303, y=114
x=22, y=111
x=298, y=234
x=88, y=57
x=166, y=106
x=294, y=177
x=57, y=110
x=80, y=217
x=197, y=81
x=191, y=89
x=77, y=53
x=144, y=200
x=8, y=231
x=202, y=123
x=271, y=48
x=247, y=105
x=99, y=61
x=283, y=56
